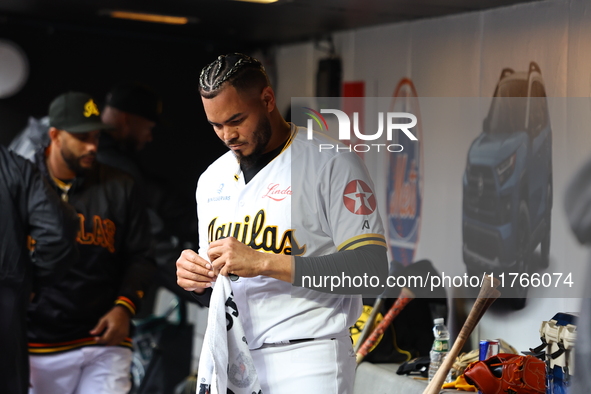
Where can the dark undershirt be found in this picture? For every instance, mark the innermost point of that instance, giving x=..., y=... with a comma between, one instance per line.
x=265, y=159
x=370, y=260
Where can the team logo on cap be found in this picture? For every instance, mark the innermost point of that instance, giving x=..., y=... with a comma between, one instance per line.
x=90, y=108
x=359, y=198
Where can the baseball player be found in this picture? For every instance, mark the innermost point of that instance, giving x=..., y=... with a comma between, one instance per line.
x=79, y=328
x=270, y=211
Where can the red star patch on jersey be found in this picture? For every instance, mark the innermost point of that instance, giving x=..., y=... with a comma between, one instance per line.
x=359, y=198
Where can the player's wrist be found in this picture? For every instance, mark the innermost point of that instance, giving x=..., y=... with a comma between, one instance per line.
x=265, y=267
x=199, y=290
x=124, y=309
x=277, y=266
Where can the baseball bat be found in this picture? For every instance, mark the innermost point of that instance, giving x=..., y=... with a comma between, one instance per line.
x=487, y=295
x=406, y=296
x=377, y=305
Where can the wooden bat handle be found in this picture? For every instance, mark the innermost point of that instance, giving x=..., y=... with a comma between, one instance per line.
x=488, y=294
x=368, y=324
x=405, y=297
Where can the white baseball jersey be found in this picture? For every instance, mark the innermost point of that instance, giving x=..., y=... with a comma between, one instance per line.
x=304, y=203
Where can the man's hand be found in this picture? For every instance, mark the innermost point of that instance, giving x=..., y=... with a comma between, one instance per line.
x=230, y=256
x=113, y=327
x=193, y=273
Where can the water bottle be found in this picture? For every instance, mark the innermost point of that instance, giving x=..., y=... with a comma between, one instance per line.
x=440, y=348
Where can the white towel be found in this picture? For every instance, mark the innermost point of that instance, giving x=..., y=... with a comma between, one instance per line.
x=225, y=364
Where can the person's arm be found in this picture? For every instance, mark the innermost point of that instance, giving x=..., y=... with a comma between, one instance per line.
x=364, y=262
x=230, y=256
x=52, y=223
x=113, y=327
x=347, y=209
x=195, y=274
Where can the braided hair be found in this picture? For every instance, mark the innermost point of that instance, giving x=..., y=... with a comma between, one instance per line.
x=241, y=71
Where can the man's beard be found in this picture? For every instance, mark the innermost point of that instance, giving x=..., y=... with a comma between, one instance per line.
x=262, y=136
x=73, y=162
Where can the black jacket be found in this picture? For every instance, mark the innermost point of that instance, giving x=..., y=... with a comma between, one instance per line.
x=28, y=206
x=114, y=267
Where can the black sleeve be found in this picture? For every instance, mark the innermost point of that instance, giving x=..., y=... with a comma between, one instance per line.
x=52, y=225
x=364, y=262
x=204, y=298
x=141, y=265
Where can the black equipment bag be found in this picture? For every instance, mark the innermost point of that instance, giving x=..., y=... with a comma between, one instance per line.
x=410, y=335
